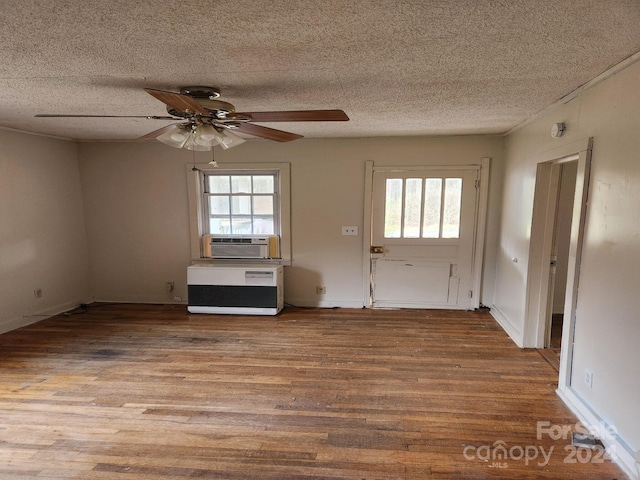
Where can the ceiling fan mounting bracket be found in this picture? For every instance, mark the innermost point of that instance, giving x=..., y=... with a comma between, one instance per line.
x=201, y=92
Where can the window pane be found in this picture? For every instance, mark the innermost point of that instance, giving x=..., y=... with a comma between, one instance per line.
x=241, y=184
x=263, y=184
x=219, y=183
x=263, y=205
x=432, y=204
x=452, y=204
x=393, y=208
x=219, y=226
x=219, y=205
x=263, y=226
x=241, y=225
x=412, y=207
x=241, y=205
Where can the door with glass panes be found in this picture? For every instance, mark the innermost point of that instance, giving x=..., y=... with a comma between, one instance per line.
x=422, y=238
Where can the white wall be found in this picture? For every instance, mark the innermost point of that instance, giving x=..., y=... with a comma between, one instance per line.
x=607, y=325
x=42, y=232
x=135, y=199
x=137, y=212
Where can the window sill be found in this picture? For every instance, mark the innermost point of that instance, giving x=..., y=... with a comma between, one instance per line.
x=244, y=261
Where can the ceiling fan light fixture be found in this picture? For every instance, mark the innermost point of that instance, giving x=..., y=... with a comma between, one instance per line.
x=207, y=135
x=175, y=137
x=230, y=139
x=191, y=144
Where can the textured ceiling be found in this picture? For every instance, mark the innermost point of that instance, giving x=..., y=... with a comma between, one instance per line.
x=427, y=67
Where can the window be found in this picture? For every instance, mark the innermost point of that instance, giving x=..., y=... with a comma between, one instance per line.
x=422, y=207
x=239, y=203
x=243, y=199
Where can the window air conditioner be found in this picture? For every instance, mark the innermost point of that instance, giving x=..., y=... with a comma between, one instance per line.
x=240, y=247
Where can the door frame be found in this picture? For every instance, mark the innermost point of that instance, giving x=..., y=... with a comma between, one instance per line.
x=479, y=228
x=542, y=228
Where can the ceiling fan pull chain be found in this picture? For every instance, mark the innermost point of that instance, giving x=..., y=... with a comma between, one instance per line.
x=213, y=162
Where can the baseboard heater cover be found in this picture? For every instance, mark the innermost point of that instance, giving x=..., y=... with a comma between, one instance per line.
x=235, y=289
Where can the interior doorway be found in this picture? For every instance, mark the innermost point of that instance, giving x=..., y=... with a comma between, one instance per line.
x=547, y=217
x=559, y=261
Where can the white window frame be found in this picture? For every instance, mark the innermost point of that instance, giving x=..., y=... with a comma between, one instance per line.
x=197, y=208
x=231, y=214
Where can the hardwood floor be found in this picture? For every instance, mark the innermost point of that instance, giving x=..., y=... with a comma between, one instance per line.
x=138, y=392
x=552, y=354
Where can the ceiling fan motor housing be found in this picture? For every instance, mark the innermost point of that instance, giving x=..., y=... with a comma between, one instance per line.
x=205, y=96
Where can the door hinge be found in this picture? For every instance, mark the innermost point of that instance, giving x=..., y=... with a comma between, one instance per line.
x=477, y=183
x=470, y=293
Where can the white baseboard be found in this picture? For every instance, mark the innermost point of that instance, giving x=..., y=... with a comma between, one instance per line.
x=514, y=333
x=16, y=323
x=141, y=302
x=142, y=299
x=313, y=303
x=623, y=455
x=38, y=316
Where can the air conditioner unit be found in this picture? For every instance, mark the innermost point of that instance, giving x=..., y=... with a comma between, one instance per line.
x=239, y=289
x=215, y=246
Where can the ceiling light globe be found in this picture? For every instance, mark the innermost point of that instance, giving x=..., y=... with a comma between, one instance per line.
x=175, y=136
x=206, y=135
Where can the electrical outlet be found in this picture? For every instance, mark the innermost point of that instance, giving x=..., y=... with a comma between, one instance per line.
x=169, y=286
x=37, y=293
x=350, y=230
x=321, y=290
x=588, y=377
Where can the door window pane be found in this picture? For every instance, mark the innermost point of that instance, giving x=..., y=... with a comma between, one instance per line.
x=451, y=210
x=393, y=208
x=426, y=207
x=412, y=207
x=432, y=206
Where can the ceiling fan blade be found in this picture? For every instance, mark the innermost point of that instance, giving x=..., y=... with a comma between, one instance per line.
x=266, y=132
x=158, y=132
x=178, y=101
x=148, y=117
x=298, y=116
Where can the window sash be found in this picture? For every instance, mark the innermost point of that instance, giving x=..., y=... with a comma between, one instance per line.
x=240, y=200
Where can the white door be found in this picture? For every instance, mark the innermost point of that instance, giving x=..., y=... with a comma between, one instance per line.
x=423, y=231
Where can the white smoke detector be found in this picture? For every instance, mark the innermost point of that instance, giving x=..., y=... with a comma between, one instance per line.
x=557, y=129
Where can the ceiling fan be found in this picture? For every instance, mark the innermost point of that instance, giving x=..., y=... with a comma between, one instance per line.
x=207, y=121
